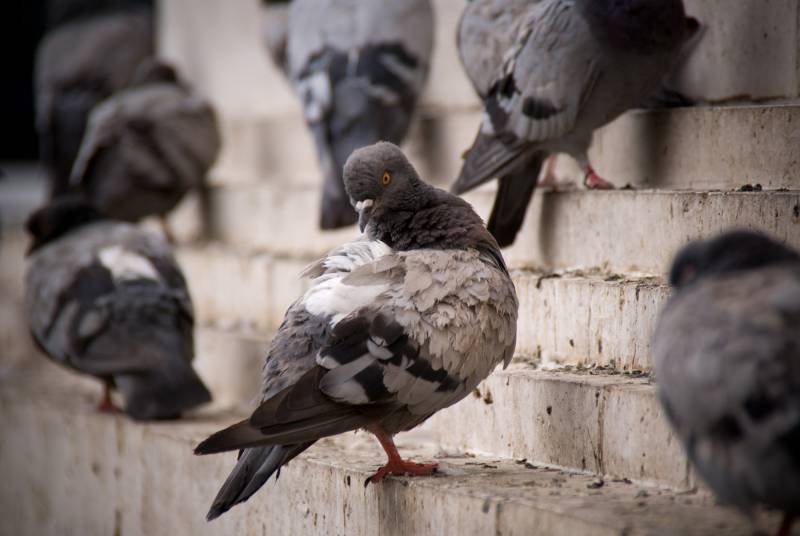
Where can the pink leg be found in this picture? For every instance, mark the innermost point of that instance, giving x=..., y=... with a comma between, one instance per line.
x=395, y=464
x=106, y=405
x=593, y=181
x=549, y=178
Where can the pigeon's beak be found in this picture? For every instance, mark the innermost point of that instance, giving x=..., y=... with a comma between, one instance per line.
x=364, y=209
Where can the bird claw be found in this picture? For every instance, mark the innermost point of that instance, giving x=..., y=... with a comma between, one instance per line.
x=402, y=468
x=593, y=181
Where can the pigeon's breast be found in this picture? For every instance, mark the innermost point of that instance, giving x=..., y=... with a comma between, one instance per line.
x=459, y=306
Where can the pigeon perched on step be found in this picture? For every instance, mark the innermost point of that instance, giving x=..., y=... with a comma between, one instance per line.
x=80, y=63
x=398, y=324
x=358, y=67
x=145, y=147
x=107, y=299
x=727, y=358
x=549, y=73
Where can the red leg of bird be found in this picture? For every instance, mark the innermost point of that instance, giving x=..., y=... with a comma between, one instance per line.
x=106, y=405
x=593, y=181
x=786, y=525
x=396, y=465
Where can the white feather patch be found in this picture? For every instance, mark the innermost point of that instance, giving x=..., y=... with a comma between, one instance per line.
x=126, y=265
x=329, y=296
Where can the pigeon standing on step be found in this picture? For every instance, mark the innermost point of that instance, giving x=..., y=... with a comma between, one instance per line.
x=397, y=325
x=727, y=359
x=107, y=299
x=358, y=67
x=92, y=53
x=549, y=73
x=146, y=146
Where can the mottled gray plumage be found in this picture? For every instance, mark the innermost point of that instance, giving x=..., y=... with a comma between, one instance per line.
x=146, y=146
x=358, y=67
x=78, y=64
x=107, y=299
x=727, y=357
x=395, y=326
x=550, y=72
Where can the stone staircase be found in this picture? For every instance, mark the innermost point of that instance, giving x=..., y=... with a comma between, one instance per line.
x=568, y=440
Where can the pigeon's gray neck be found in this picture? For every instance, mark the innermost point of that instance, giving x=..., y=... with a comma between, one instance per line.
x=443, y=221
x=643, y=26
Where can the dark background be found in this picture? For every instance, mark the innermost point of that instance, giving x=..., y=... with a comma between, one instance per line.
x=21, y=28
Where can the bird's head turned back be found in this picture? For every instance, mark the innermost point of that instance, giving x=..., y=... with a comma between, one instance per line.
x=379, y=180
x=396, y=206
x=733, y=251
x=59, y=217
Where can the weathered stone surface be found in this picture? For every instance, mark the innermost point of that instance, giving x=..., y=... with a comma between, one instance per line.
x=68, y=470
x=581, y=421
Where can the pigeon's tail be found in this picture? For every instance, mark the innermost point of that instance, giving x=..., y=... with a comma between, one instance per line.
x=514, y=193
x=162, y=393
x=253, y=469
x=60, y=134
x=486, y=159
x=335, y=208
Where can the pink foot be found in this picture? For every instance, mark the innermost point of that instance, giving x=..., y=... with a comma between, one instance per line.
x=106, y=405
x=402, y=468
x=593, y=181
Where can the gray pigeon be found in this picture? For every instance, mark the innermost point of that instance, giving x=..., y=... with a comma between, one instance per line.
x=358, y=67
x=146, y=146
x=549, y=73
x=107, y=299
x=727, y=358
x=397, y=325
x=78, y=64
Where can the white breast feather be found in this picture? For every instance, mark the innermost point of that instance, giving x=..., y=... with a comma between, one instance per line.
x=126, y=265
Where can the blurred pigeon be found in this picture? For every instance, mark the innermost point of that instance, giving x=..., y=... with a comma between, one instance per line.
x=58, y=12
x=549, y=73
x=397, y=325
x=727, y=358
x=107, y=299
x=358, y=67
x=78, y=64
x=146, y=146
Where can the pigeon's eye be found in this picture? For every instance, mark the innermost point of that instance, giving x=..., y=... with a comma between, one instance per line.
x=386, y=179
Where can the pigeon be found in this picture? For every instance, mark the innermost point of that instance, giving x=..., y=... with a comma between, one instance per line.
x=107, y=299
x=396, y=325
x=727, y=359
x=358, y=67
x=79, y=64
x=146, y=146
x=549, y=72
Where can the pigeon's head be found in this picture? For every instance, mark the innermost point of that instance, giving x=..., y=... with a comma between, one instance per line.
x=729, y=252
x=59, y=217
x=380, y=180
x=645, y=25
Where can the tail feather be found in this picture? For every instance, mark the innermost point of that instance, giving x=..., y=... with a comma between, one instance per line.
x=514, y=193
x=163, y=393
x=486, y=159
x=254, y=467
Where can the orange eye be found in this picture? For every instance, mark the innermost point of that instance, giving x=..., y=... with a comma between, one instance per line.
x=386, y=179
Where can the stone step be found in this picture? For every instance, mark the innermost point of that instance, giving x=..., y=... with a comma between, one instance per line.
x=619, y=231
x=705, y=148
x=579, y=319
x=747, y=51
x=68, y=470
x=592, y=420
